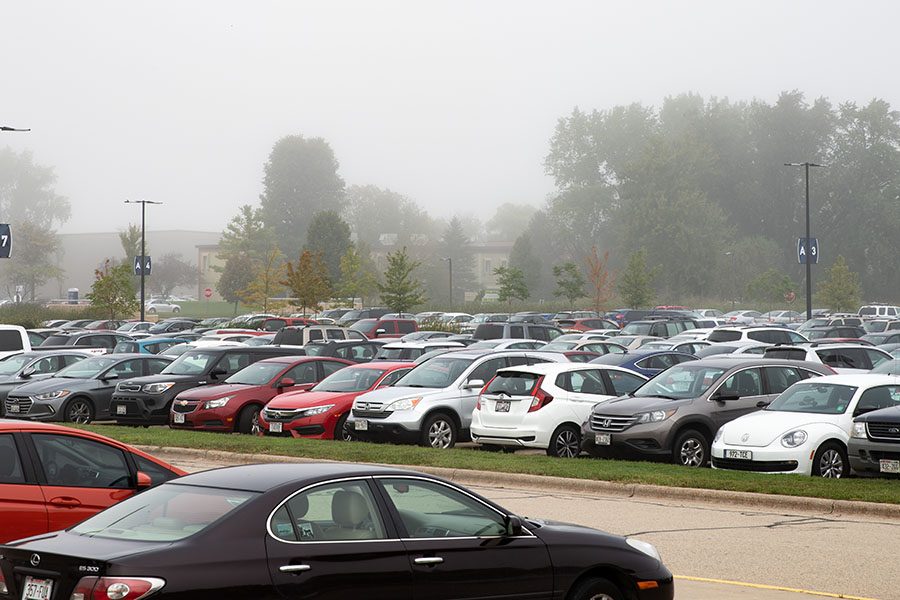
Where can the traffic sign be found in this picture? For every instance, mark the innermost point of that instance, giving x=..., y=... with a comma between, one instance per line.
x=207, y=293
x=142, y=264
x=5, y=240
x=808, y=252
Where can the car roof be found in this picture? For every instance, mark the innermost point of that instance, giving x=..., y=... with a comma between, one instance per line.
x=423, y=344
x=863, y=380
x=554, y=368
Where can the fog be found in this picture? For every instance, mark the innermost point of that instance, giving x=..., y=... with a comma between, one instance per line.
x=451, y=103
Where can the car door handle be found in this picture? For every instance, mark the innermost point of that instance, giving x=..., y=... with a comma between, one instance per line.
x=65, y=501
x=428, y=560
x=294, y=568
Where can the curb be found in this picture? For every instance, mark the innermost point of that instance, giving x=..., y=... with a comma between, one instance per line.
x=586, y=486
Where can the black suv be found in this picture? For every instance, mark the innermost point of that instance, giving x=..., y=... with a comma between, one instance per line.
x=147, y=400
x=520, y=330
x=172, y=325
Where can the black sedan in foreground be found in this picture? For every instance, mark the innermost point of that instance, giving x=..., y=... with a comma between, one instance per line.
x=326, y=532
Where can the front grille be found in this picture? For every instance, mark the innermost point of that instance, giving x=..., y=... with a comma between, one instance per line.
x=888, y=432
x=185, y=407
x=878, y=455
x=611, y=422
x=128, y=387
x=368, y=406
x=17, y=406
x=279, y=415
x=756, y=466
x=368, y=414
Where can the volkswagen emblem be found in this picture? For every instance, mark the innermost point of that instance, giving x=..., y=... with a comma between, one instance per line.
x=35, y=560
x=605, y=423
x=745, y=437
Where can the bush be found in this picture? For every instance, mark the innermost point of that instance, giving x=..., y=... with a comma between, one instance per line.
x=31, y=316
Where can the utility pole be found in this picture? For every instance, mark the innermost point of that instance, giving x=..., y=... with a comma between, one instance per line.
x=143, y=257
x=733, y=279
x=806, y=166
x=450, y=264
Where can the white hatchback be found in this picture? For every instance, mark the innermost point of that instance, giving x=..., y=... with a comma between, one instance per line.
x=544, y=405
x=805, y=430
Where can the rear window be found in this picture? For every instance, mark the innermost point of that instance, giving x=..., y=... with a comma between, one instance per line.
x=513, y=384
x=724, y=336
x=56, y=340
x=10, y=340
x=786, y=353
x=289, y=337
x=406, y=326
x=867, y=310
x=488, y=331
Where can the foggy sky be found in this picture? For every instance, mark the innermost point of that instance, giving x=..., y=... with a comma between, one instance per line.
x=449, y=102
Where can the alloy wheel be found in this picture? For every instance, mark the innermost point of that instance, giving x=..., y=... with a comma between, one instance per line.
x=567, y=444
x=692, y=453
x=831, y=464
x=440, y=434
x=79, y=412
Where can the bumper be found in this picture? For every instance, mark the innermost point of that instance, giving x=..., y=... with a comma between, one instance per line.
x=204, y=420
x=664, y=590
x=866, y=455
x=140, y=409
x=639, y=441
x=320, y=427
x=401, y=426
x=525, y=435
x=770, y=459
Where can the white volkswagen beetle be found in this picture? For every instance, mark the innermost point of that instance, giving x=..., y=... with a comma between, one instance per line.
x=805, y=430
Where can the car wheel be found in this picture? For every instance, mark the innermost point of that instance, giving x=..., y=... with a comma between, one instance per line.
x=596, y=589
x=830, y=461
x=565, y=442
x=439, y=432
x=691, y=449
x=151, y=311
x=248, y=421
x=341, y=431
x=175, y=309
x=79, y=410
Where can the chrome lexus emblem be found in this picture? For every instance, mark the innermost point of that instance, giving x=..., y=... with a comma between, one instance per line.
x=605, y=422
x=745, y=437
x=35, y=560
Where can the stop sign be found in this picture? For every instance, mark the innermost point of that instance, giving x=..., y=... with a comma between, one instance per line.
x=207, y=293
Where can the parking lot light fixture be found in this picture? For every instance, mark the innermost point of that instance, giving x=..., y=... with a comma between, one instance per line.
x=806, y=166
x=143, y=204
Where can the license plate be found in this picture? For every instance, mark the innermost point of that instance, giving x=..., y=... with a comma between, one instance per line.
x=739, y=454
x=13, y=408
x=37, y=589
x=361, y=425
x=889, y=466
x=275, y=427
x=603, y=439
x=121, y=409
x=502, y=406
x=179, y=418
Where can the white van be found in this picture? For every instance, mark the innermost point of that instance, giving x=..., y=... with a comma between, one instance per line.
x=13, y=340
x=875, y=311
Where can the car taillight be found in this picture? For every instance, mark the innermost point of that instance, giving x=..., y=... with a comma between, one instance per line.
x=540, y=398
x=116, y=588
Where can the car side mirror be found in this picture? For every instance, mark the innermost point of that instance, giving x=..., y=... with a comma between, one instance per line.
x=762, y=404
x=513, y=525
x=109, y=376
x=217, y=372
x=380, y=332
x=473, y=384
x=26, y=373
x=143, y=481
x=286, y=382
x=723, y=397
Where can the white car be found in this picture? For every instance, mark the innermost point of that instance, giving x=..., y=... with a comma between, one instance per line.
x=843, y=358
x=158, y=306
x=544, y=405
x=507, y=344
x=400, y=351
x=741, y=317
x=805, y=430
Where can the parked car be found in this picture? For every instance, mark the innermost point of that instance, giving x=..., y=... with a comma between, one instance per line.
x=709, y=313
x=19, y=369
x=171, y=326
x=159, y=306
x=888, y=367
x=837, y=331
x=507, y=344
x=234, y=404
x=80, y=392
x=842, y=358
x=742, y=317
x=675, y=415
x=352, y=316
x=52, y=477
x=148, y=400
x=877, y=339
x=595, y=346
x=806, y=429
x=432, y=404
x=409, y=351
x=13, y=340
x=764, y=334
x=384, y=328
x=875, y=311
x=277, y=323
x=881, y=325
x=874, y=445
x=782, y=317
x=130, y=327
x=322, y=412
x=733, y=348
x=357, y=351
x=520, y=330
x=300, y=336
x=103, y=325
x=422, y=336
x=660, y=328
x=586, y=324
x=647, y=363
x=543, y=405
x=97, y=342
x=282, y=530
x=150, y=345
x=633, y=342
x=260, y=340
x=687, y=346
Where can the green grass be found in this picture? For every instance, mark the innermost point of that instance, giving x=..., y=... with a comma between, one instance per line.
x=867, y=490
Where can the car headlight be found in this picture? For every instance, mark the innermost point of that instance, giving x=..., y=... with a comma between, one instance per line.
x=52, y=395
x=794, y=439
x=859, y=430
x=645, y=547
x=718, y=435
x=404, y=404
x=315, y=410
x=655, y=416
x=217, y=403
x=157, y=388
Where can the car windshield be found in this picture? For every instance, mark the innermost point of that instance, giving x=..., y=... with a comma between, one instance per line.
x=350, y=380
x=363, y=325
x=438, y=372
x=11, y=365
x=163, y=514
x=87, y=368
x=485, y=345
x=814, y=397
x=888, y=367
x=126, y=347
x=681, y=382
x=637, y=329
x=814, y=335
x=259, y=373
x=191, y=363
x=875, y=326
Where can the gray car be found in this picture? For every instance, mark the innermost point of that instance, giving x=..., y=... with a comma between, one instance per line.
x=675, y=415
x=432, y=404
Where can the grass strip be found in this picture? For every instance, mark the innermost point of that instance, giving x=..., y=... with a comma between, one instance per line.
x=860, y=489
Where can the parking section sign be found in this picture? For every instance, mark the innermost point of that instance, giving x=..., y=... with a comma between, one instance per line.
x=5, y=240
x=808, y=251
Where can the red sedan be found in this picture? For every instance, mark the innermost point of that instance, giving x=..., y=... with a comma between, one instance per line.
x=52, y=477
x=235, y=404
x=322, y=411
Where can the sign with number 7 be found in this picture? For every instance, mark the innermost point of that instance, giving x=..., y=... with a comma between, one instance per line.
x=5, y=240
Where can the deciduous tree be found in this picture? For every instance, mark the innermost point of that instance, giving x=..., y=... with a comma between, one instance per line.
x=329, y=237
x=266, y=283
x=601, y=278
x=169, y=272
x=359, y=277
x=511, y=285
x=237, y=275
x=569, y=282
x=113, y=290
x=841, y=291
x=308, y=281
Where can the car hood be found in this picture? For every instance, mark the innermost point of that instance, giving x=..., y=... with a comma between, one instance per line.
x=212, y=392
x=161, y=378
x=16, y=380
x=631, y=405
x=759, y=429
x=884, y=415
x=293, y=400
x=389, y=394
x=52, y=384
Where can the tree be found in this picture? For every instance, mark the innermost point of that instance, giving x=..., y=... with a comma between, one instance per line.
x=246, y=234
x=770, y=287
x=130, y=239
x=301, y=179
x=308, y=281
x=266, y=282
x=30, y=264
x=569, y=282
x=237, y=275
x=113, y=290
x=401, y=291
x=841, y=291
x=359, y=278
x=636, y=281
x=169, y=272
x=509, y=221
x=511, y=285
x=373, y=212
x=601, y=278
x=329, y=237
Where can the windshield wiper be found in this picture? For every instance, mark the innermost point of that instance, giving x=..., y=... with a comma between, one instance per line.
x=663, y=396
x=417, y=385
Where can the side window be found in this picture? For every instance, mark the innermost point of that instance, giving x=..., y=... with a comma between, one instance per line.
x=517, y=331
x=430, y=510
x=847, y=358
x=406, y=326
x=77, y=462
x=624, y=383
x=343, y=352
x=671, y=329
x=333, y=334
x=781, y=378
x=363, y=351
x=884, y=396
x=10, y=462
x=876, y=358
x=392, y=377
x=157, y=473
x=794, y=337
x=71, y=359
x=234, y=362
x=330, y=512
x=486, y=370
x=330, y=366
x=761, y=336
x=585, y=382
x=539, y=333
x=127, y=369
x=515, y=361
x=743, y=383
x=49, y=364
x=303, y=373
x=155, y=365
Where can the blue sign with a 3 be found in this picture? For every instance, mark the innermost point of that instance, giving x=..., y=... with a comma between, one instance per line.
x=808, y=251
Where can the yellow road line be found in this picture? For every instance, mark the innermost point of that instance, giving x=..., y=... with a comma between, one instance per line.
x=776, y=588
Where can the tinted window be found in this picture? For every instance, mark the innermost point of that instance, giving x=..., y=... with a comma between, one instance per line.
x=518, y=331
x=77, y=462
x=331, y=512
x=743, y=383
x=303, y=373
x=126, y=369
x=785, y=353
x=724, y=336
x=10, y=340
x=234, y=362
x=332, y=334
x=875, y=357
x=486, y=370
x=624, y=383
x=885, y=396
x=582, y=382
x=330, y=367
x=513, y=383
x=847, y=358
x=406, y=326
x=781, y=378
x=10, y=463
x=157, y=473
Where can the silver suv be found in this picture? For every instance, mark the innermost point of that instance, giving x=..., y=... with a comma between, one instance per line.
x=765, y=334
x=676, y=414
x=843, y=358
x=432, y=404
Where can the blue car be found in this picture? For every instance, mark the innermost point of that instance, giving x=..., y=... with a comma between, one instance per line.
x=147, y=345
x=646, y=362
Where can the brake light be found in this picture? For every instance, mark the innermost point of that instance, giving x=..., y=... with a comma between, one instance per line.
x=116, y=588
x=540, y=398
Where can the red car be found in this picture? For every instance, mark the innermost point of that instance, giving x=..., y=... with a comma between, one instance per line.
x=587, y=324
x=235, y=404
x=322, y=411
x=52, y=477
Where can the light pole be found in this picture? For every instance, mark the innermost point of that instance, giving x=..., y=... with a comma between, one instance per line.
x=806, y=166
x=733, y=278
x=143, y=204
x=450, y=265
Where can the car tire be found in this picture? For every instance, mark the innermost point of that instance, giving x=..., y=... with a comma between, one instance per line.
x=565, y=442
x=175, y=309
x=151, y=311
x=248, y=420
x=439, y=431
x=79, y=410
x=341, y=432
x=830, y=461
x=596, y=589
x=691, y=449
